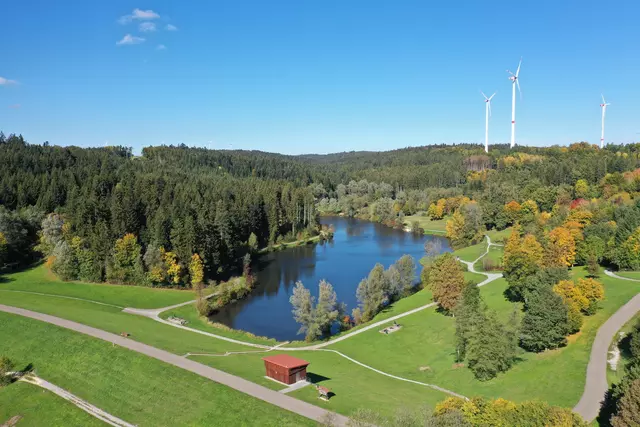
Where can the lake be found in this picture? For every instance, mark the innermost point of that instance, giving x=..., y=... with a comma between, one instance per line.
x=356, y=247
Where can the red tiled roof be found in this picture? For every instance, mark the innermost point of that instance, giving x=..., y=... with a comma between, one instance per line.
x=286, y=361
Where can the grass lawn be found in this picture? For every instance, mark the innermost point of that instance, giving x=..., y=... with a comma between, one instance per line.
x=41, y=408
x=495, y=254
x=136, y=388
x=354, y=386
x=113, y=320
x=471, y=253
x=499, y=236
x=189, y=313
x=429, y=226
x=40, y=279
x=427, y=339
x=629, y=274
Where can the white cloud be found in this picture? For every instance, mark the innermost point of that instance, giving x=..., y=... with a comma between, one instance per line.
x=171, y=27
x=129, y=39
x=141, y=15
x=147, y=27
x=7, y=82
x=161, y=47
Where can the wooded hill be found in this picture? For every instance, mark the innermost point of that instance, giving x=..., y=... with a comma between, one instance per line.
x=210, y=202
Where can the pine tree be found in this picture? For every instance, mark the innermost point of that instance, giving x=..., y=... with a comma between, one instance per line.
x=628, y=408
x=489, y=349
x=545, y=323
x=469, y=315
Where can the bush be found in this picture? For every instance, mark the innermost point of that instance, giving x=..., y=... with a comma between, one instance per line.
x=6, y=366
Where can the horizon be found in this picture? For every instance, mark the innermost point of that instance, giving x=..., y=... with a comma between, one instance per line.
x=299, y=79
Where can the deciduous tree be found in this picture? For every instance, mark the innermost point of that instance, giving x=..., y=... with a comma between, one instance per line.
x=446, y=281
x=522, y=256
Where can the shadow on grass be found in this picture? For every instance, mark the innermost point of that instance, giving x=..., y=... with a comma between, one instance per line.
x=316, y=378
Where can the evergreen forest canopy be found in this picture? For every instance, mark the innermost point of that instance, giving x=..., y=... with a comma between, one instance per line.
x=142, y=219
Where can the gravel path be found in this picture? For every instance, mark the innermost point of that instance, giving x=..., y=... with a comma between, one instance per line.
x=270, y=396
x=82, y=404
x=596, y=385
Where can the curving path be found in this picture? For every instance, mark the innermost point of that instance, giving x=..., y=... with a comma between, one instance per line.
x=596, y=384
x=259, y=392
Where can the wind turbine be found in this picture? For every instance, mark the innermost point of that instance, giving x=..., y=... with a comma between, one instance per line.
x=514, y=80
x=487, y=102
x=604, y=110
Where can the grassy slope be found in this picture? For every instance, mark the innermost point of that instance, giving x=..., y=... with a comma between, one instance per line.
x=136, y=388
x=427, y=339
x=629, y=274
x=189, y=313
x=499, y=236
x=113, y=320
x=430, y=227
x=495, y=254
x=354, y=386
x=31, y=402
x=40, y=279
x=471, y=253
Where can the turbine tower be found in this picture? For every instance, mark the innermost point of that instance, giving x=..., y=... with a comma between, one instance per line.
x=604, y=110
x=514, y=82
x=487, y=102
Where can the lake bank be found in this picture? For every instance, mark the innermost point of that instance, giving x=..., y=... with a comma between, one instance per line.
x=356, y=247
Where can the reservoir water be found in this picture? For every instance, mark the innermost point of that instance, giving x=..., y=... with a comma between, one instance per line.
x=356, y=247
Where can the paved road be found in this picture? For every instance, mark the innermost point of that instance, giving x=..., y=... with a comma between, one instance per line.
x=282, y=400
x=596, y=385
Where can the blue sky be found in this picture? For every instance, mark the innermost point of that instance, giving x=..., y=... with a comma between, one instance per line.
x=316, y=76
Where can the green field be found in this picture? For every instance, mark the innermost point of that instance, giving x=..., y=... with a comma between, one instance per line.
x=113, y=320
x=427, y=339
x=31, y=402
x=499, y=236
x=495, y=254
x=189, y=313
x=471, y=253
x=429, y=226
x=629, y=274
x=354, y=386
x=136, y=388
x=41, y=280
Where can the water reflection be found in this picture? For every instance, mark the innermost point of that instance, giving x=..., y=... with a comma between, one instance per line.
x=356, y=248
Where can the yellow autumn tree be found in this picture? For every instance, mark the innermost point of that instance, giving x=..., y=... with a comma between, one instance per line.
x=581, y=188
x=436, y=210
x=575, y=302
x=455, y=229
x=196, y=270
x=522, y=256
x=561, y=248
x=512, y=211
x=593, y=291
x=174, y=269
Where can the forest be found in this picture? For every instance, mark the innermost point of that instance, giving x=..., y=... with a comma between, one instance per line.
x=105, y=214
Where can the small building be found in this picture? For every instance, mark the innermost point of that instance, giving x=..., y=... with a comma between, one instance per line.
x=286, y=369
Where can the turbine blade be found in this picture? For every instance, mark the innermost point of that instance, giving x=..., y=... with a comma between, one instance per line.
x=518, y=84
x=519, y=64
x=485, y=96
x=491, y=97
x=603, y=101
x=489, y=109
